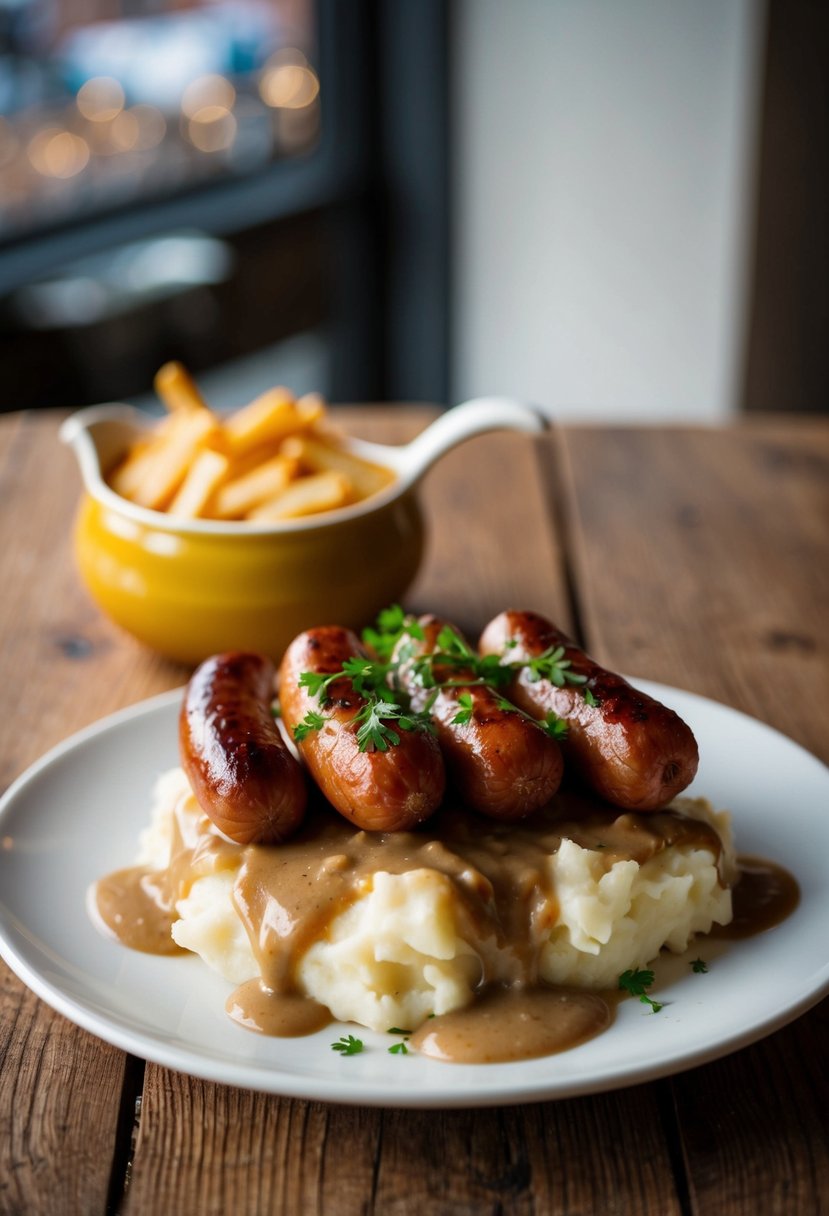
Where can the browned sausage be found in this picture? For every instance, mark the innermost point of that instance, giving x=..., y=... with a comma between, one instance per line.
x=240, y=770
x=380, y=791
x=502, y=764
x=631, y=749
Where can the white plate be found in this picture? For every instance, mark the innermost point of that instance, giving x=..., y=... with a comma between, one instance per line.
x=76, y=814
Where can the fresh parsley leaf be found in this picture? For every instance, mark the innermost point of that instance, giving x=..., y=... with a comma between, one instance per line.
x=366, y=676
x=464, y=714
x=452, y=645
x=314, y=681
x=551, y=665
x=375, y=735
x=311, y=721
x=589, y=698
x=398, y=1049
x=391, y=625
x=636, y=983
x=699, y=966
x=555, y=726
x=397, y=1030
x=347, y=1045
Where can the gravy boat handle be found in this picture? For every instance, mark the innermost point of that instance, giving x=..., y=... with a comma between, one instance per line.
x=474, y=417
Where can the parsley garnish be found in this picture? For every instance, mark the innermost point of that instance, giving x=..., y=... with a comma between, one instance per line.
x=589, y=698
x=635, y=982
x=399, y=1049
x=464, y=713
x=375, y=735
x=392, y=624
x=347, y=1045
x=551, y=665
x=699, y=966
x=368, y=680
x=397, y=1030
x=554, y=726
x=311, y=721
x=453, y=653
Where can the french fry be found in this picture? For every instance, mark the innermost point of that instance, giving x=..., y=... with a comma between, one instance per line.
x=240, y=495
x=320, y=457
x=164, y=463
x=177, y=389
x=307, y=496
x=270, y=417
x=271, y=460
x=203, y=478
x=311, y=409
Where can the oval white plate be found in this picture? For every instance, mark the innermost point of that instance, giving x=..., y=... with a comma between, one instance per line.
x=76, y=815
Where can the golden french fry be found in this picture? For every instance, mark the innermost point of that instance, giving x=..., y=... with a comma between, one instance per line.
x=270, y=417
x=177, y=389
x=311, y=409
x=270, y=460
x=307, y=496
x=239, y=495
x=320, y=457
x=164, y=463
x=204, y=476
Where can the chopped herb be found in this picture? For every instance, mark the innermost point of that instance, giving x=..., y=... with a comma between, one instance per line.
x=589, y=698
x=452, y=652
x=699, y=966
x=392, y=624
x=636, y=983
x=315, y=681
x=311, y=721
x=464, y=714
x=551, y=665
x=555, y=726
x=347, y=1045
x=375, y=735
x=399, y=1049
x=397, y=1030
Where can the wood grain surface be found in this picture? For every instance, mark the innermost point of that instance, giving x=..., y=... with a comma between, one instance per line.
x=696, y=557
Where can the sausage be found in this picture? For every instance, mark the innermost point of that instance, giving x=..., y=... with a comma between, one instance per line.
x=240, y=770
x=631, y=749
x=502, y=764
x=380, y=791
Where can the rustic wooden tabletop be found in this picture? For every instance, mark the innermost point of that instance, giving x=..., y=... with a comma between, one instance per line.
x=697, y=557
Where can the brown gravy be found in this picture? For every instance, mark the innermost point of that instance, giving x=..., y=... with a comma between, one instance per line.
x=515, y=1024
x=133, y=906
x=287, y=896
x=763, y=896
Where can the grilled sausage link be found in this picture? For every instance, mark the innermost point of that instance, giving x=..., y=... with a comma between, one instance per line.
x=391, y=791
x=502, y=764
x=241, y=772
x=631, y=749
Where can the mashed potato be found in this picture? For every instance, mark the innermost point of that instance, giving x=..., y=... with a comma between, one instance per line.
x=402, y=950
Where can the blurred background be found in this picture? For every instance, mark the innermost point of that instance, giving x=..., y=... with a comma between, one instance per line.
x=615, y=208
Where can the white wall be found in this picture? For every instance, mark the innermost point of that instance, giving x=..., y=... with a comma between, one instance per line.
x=603, y=180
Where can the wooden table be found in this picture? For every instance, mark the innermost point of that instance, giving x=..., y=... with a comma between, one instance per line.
x=696, y=557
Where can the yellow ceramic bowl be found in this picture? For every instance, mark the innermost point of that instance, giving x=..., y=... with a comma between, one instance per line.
x=193, y=588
